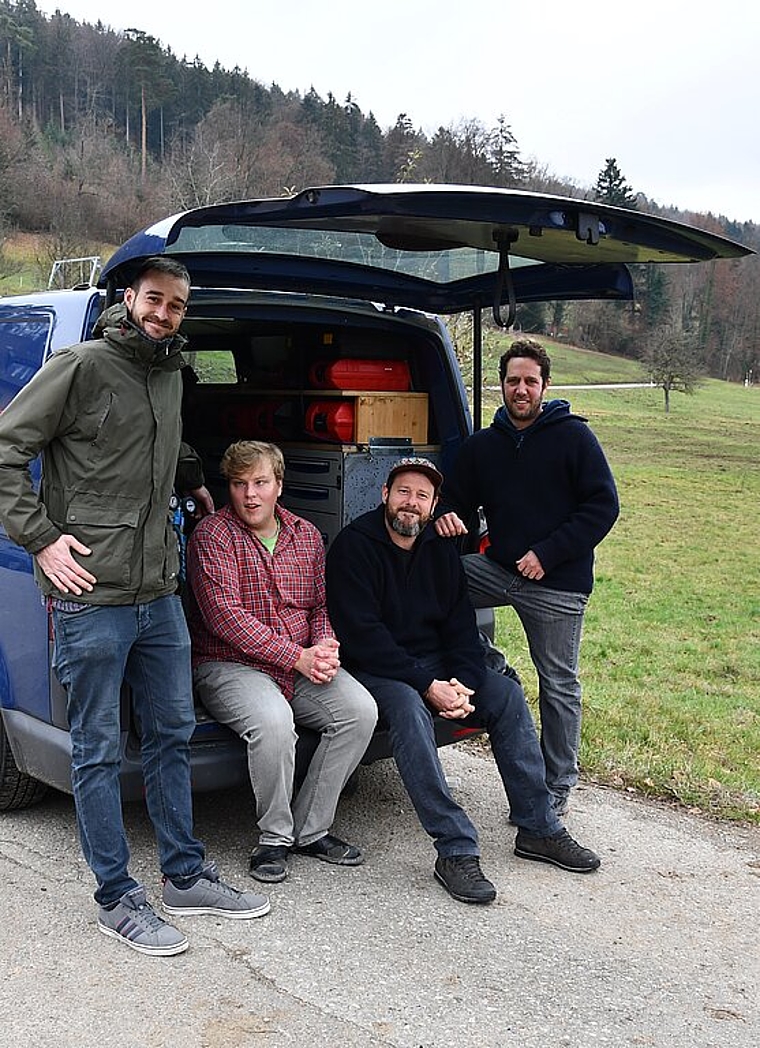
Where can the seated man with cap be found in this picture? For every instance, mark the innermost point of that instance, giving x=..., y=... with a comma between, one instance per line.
x=397, y=599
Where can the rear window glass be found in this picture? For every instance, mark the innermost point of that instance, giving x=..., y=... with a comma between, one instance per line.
x=437, y=263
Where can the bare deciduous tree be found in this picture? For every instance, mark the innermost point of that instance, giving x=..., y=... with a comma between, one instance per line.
x=672, y=360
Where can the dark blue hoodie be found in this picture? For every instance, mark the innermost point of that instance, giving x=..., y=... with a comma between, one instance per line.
x=547, y=487
x=390, y=608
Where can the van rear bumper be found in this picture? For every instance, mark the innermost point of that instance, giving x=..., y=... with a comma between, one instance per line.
x=42, y=751
x=218, y=759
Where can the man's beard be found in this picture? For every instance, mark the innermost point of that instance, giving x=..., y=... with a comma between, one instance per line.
x=160, y=343
x=409, y=530
x=525, y=412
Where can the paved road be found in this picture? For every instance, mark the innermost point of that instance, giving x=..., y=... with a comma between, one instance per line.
x=659, y=948
x=592, y=385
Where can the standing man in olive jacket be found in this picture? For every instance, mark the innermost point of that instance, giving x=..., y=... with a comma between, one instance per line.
x=105, y=414
x=549, y=498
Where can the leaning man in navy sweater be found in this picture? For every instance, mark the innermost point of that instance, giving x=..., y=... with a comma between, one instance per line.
x=549, y=497
x=397, y=599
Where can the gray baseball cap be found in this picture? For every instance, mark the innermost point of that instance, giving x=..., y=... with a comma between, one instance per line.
x=417, y=465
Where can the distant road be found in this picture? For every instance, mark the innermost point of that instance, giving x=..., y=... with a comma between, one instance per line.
x=597, y=385
x=609, y=385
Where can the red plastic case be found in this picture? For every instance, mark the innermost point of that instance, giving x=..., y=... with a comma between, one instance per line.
x=353, y=373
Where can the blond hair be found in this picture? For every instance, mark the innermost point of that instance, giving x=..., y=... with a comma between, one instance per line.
x=243, y=455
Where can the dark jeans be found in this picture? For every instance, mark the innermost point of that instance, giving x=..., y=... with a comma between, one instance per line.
x=148, y=646
x=501, y=709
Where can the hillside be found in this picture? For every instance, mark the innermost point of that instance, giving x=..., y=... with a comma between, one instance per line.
x=104, y=132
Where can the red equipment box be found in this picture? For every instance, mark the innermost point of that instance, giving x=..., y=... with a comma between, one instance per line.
x=331, y=420
x=356, y=419
x=353, y=373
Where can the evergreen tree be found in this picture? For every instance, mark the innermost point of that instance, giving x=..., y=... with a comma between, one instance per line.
x=652, y=294
x=504, y=155
x=612, y=188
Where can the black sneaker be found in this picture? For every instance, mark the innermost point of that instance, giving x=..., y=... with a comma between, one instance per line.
x=463, y=878
x=268, y=863
x=560, y=851
x=332, y=849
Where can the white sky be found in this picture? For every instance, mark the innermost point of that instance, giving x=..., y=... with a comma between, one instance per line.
x=670, y=88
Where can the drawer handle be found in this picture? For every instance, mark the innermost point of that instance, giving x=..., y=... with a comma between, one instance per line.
x=313, y=494
x=307, y=467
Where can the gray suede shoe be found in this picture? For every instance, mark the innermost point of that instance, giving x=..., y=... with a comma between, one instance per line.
x=210, y=895
x=134, y=922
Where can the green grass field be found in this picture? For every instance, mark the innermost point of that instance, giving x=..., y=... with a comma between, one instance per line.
x=671, y=651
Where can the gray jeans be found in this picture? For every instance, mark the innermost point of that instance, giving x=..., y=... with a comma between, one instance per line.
x=553, y=622
x=249, y=702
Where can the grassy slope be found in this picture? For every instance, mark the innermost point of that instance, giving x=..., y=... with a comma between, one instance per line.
x=26, y=259
x=671, y=653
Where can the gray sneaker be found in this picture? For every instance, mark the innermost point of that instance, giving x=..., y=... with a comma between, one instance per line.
x=211, y=895
x=134, y=922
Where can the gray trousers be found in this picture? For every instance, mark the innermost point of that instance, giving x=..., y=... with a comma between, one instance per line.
x=553, y=623
x=251, y=704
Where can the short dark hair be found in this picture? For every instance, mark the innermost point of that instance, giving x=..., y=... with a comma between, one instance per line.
x=526, y=347
x=160, y=264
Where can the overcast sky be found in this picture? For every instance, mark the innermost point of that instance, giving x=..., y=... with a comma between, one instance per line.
x=670, y=88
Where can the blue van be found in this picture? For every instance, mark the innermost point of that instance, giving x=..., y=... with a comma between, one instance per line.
x=313, y=322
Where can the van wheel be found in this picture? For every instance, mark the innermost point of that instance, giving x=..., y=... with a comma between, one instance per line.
x=17, y=790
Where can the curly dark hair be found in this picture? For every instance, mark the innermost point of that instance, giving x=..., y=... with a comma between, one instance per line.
x=526, y=347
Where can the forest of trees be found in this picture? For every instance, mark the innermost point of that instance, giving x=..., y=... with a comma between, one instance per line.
x=103, y=132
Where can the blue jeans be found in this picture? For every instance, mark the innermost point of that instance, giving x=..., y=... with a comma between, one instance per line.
x=501, y=709
x=148, y=646
x=553, y=623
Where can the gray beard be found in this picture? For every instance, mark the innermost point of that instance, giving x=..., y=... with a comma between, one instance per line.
x=409, y=531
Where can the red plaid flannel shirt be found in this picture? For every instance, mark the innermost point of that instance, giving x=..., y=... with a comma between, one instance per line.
x=255, y=607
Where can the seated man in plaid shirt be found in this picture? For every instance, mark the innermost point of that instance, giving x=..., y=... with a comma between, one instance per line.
x=265, y=659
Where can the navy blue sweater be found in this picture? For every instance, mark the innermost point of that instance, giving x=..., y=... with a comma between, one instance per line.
x=547, y=487
x=389, y=608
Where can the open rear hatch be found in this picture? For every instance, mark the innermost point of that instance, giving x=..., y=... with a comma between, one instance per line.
x=443, y=249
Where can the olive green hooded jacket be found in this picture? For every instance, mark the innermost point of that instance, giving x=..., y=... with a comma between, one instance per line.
x=106, y=416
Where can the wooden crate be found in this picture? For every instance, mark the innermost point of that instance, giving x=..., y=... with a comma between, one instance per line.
x=391, y=415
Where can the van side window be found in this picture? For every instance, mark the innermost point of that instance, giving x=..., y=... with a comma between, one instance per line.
x=94, y=310
x=23, y=340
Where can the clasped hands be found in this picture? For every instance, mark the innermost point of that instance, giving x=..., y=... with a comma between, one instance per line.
x=319, y=663
x=450, y=698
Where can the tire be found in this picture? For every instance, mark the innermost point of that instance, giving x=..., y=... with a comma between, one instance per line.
x=17, y=790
